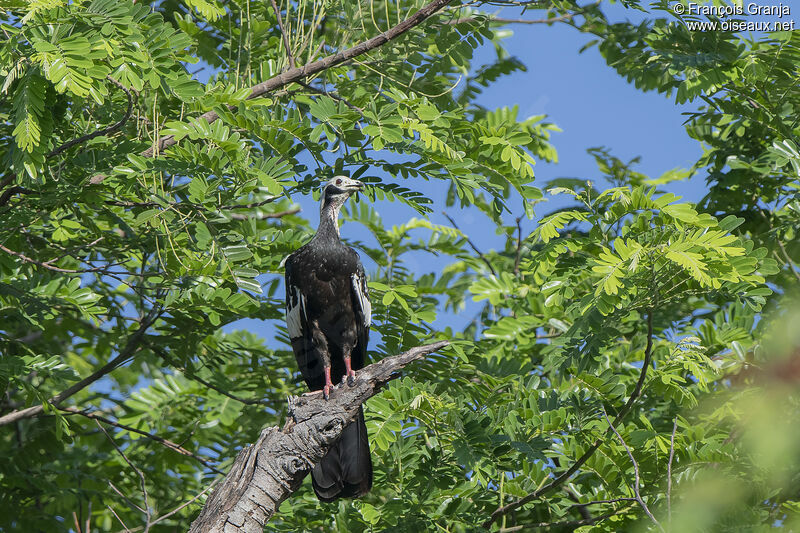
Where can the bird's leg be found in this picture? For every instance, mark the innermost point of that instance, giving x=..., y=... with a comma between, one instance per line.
x=322, y=350
x=326, y=390
x=349, y=374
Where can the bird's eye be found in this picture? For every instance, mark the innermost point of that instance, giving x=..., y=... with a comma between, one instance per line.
x=339, y=181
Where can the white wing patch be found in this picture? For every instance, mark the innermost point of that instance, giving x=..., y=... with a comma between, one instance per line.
x=362, y=293
x=295, y=312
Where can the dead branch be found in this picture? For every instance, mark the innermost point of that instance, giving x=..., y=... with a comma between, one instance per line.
x=270, y=470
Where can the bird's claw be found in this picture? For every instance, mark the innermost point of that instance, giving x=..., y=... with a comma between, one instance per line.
x=351, y=378
x=326, y=392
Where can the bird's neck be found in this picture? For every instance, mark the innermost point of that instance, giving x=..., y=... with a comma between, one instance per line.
x=328, y=226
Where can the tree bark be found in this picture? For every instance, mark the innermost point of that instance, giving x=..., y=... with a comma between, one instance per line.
x=270, y=470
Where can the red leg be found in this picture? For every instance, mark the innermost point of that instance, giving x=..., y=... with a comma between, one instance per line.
x=326, y=390
x=349, y=373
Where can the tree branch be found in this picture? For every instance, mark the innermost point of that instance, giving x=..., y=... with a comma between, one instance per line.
x=669, y=474
x=559, y=525
x=648, y=352
x=472, y=245
x=164, y=442
x=268, y=471
x=48, y=265
x=105, y=131
x=130, y=348
x=296, y=74
x=284, y=35
x=142, y=481
x=636, y=478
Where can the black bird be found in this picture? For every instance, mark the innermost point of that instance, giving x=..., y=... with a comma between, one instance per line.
x=328, y=315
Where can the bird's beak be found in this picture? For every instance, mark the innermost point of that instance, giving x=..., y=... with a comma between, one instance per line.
x=357, y=185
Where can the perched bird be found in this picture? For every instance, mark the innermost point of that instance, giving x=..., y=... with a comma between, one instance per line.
x=328, y=315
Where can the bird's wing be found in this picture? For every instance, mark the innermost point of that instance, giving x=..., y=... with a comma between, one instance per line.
x=296, y=316
x=363, y=310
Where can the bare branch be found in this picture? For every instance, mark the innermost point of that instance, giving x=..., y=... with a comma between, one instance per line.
x=263, y=216
x=268, y=471
x=636, y=490
x=186, y=504
x=118, y=518
x=48, y=264
x=669, y=473
x=597, y=502
x=138, y=472
x=516, y=21
x=284, y=35
x=472, y=245
x=557, y=482
x=164, y=442
x=296, y=74
x=131, y=347
x=566, y=524
x=333, y=95
x=519, y=247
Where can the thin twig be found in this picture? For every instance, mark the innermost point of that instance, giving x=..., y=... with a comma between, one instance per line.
x=77, y=524
x=669, y=473
x=186, y=504
x=139, y=472
x=131, y=347
x=648, y=352
x=264, y=216
x=559, y=525
x=161, y=353
x=309, y=69
x=164, y=442
x=636, y=482
x=48, y=266
x=284, y=35
x=118, y=518
x=472, y=245
x=596, y=502
x=88, y=527
x=333, y=95
x=519, y=247
x=501, y=20
x=122, y=495
x=105, y=131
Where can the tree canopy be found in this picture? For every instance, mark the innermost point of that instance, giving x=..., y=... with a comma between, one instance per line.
x=633, y=359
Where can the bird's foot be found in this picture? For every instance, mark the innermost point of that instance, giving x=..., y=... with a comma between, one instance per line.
x=326, y=391
x=349, y=374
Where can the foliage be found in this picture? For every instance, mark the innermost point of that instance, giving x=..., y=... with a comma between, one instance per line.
x=123, y=271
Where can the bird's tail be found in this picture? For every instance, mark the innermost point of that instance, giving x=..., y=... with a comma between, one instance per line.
x=346, y=471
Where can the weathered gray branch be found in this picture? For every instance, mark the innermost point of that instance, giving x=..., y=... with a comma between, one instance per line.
x=268, y=471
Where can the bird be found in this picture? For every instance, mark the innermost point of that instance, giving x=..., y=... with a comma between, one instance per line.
x=328, y=316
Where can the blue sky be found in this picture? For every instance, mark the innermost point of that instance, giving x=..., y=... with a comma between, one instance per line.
x=592, y=105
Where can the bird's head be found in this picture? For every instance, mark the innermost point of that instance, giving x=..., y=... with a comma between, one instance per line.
x=338, y=190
